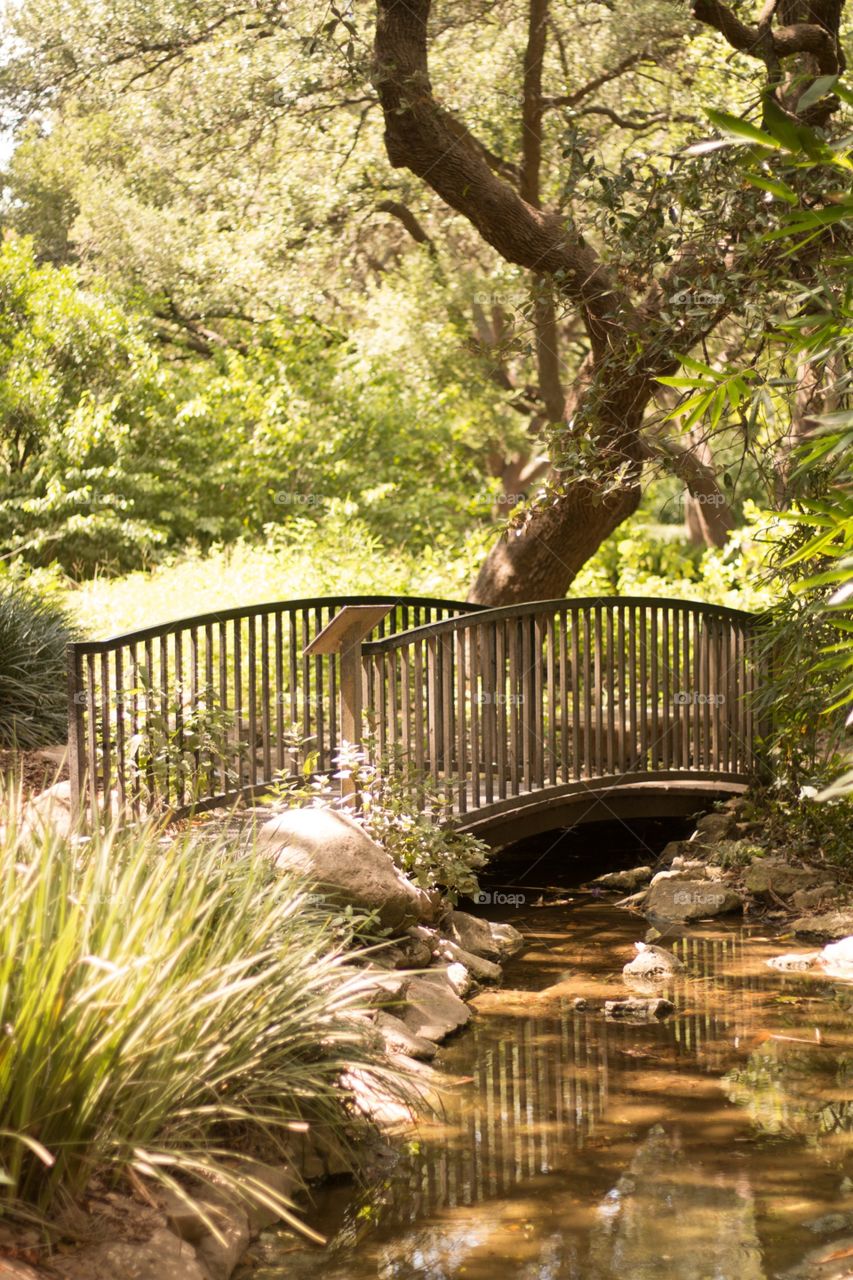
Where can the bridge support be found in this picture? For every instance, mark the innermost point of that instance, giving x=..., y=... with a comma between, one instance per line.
x=343, y=635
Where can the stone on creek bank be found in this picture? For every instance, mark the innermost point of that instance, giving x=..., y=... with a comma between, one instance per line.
x=334, y=853
x=640, y=1010
x=162, y=1257
x=432, y=1009
x=482, y=937
x=773, y=875
x=478, y=966
x=832, y=925
x=623, y=881
x=679, y=899
x=809, y=901
x=399, y=1039
x=714, y=827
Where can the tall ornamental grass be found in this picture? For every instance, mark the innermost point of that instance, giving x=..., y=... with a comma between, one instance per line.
x=165, y=1007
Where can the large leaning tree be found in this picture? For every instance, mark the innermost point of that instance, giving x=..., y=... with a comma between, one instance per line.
x=570, y=168
x=635, y=336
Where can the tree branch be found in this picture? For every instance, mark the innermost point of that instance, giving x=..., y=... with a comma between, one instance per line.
x=404, y=215
x=762, y=41
x=423, y=137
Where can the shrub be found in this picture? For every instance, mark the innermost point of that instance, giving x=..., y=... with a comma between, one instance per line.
x=165, y=1004
x=34, y=633
x=408, y=815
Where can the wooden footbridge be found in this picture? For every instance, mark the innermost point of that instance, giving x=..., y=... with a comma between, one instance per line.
x=525, y=718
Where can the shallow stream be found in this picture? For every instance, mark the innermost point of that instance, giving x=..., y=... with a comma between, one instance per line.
x=716, y=1145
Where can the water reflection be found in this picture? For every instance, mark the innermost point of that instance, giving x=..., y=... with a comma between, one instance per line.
x=697, y=1148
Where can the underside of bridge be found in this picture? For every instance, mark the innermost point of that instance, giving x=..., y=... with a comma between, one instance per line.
x=604, y=800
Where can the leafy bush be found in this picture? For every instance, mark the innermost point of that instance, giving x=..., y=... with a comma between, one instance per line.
x=165, y=1005
x=408, y=815
x=736, y=853
x=34, y=633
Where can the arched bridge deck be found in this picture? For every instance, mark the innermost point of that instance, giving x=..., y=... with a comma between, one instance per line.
x=522, y=718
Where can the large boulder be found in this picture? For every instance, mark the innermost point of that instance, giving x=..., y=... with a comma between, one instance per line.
x=683, y=900
x=774, y=875
x=335, y=854
x=162, y=1257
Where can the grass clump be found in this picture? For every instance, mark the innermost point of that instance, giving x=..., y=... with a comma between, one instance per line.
x=34, y=633
x=168, y=1008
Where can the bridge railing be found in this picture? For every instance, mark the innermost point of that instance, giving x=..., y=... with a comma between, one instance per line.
x=190, y=714
x=514, y=700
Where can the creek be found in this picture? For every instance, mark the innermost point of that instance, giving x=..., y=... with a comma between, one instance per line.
x=713, y=1145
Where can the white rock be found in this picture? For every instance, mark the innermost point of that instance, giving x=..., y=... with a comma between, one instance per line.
x=334, y=853
x=399, y=1039
x=836, y=958
x=453, y=975
x=432, y=1010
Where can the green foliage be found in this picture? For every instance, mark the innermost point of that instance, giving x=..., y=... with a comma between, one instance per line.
x=796, y=821
x=805, y=175
x=649, y=559
x=190, y=744
x=303, y=559
x=34, y=633
x=168, y=1007
x=406, y=813
x=110, y=456
x=736, y=853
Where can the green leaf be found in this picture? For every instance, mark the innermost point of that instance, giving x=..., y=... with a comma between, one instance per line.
x=742, y=129
x=780, y=125
x=776, y=188
x=818, y=89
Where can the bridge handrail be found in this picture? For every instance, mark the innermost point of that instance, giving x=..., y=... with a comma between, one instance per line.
x=481, y=614
x=126, y=690
x=107, y=644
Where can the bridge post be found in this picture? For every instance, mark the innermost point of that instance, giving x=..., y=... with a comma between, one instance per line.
x=343, y=635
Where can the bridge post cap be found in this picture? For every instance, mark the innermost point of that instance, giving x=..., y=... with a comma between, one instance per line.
x=351, y=624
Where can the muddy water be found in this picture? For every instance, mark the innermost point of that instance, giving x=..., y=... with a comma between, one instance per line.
x=717, y=1145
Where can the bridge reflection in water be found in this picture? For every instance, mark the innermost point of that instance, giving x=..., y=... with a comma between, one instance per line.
x=541, y=1085
x=587, y=1149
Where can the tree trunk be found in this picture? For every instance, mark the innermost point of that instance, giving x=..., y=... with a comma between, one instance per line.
x=540, y=561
